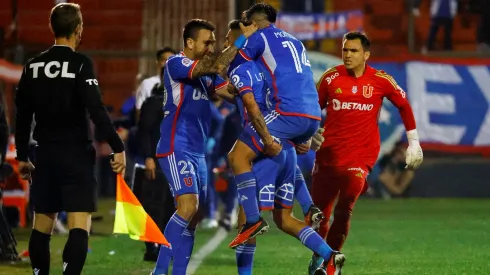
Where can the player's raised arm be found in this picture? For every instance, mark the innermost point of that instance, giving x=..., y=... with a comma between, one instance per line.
x=398, y=97
x=215, y=65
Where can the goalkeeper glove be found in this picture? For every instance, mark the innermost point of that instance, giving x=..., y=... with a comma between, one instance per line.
x=317, y=139
x=414, y=155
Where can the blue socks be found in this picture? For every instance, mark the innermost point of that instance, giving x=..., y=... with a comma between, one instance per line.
x=183, y=254
x=247, y=195
x=315, y=243
x=245, y=258
x=301, y=192
x=174, y=234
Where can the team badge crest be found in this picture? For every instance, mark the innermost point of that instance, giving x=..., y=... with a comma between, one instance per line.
x=367, y=91
x=354, y=89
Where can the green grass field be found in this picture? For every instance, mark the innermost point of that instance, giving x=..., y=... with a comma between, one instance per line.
x=416, y=236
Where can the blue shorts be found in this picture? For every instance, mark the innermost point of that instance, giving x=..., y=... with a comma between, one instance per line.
x=296, y=129
x=306, y=162
x=275, y=179
x=186, y=173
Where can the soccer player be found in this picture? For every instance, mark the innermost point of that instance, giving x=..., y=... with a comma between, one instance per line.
x=190, y=78
x=353, y=95
x=59, y=87
x=296, y=114
x=276, y=177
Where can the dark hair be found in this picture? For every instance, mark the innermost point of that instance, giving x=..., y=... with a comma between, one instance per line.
x=193, y=27
x=163, y=50
x=365, y=42
x=234, y=25
x=263, y=9
x=64, y=19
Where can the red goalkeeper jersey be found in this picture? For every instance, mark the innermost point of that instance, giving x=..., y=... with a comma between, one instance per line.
x=353, y=106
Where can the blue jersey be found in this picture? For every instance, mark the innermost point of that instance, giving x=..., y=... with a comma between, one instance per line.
x=248, y=79
x=187, y=108
x=287, y=70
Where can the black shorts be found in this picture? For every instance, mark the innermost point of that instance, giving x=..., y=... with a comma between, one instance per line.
x=64, y=179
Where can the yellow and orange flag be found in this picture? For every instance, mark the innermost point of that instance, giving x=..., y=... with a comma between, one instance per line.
x=132, y=219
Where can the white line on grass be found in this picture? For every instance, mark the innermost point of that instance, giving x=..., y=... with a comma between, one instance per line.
x=207, y=249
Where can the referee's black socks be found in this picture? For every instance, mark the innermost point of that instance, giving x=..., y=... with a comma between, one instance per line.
x=39, y=252
x=75, y=252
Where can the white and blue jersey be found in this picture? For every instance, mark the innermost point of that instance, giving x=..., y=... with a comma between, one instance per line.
x=185, y=126
x=284, y=61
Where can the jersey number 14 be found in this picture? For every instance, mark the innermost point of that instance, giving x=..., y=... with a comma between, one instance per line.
x=295, y=55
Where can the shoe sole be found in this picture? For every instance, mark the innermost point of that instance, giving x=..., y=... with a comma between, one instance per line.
x=320, y=271
x=259, y=232
x=339, y=263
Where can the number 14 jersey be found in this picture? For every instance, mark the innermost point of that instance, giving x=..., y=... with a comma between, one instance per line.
x=283, y=60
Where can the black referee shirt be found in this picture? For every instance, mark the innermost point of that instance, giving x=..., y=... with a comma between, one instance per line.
x=60, y=89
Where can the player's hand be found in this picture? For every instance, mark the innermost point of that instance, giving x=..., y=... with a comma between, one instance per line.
x=247, y=31
x=303, y=148
x=317, y=140
x=150, y=168
x=25, y=169
x=118, y=163
x=272, y=149
x=414, y=155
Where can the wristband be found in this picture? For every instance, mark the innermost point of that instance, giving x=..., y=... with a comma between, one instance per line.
x=240, y=41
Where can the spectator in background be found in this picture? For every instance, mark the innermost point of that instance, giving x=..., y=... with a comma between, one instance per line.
x=482, y=7
x=442, y=13
x=146, y=86
x=389, y=177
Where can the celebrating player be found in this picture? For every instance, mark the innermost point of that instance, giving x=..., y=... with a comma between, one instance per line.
x=190, y=79
x=353, y=95
x=275, y=176
x=296, y=115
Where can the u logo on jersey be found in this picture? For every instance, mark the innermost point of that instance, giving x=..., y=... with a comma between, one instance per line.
x=367, y=91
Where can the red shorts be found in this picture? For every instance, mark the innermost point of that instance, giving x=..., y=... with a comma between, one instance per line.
x=345, y=182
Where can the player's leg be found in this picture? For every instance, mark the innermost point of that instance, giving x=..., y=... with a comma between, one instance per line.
x=183, y=254
x=229, y=200
x=313, y=214
x=46, y=200
x=79, y=200
x=180, y=170
x=244, y=253
x=240, y=158
x=265, y=171
x=324, y=190
x=211, y=202
x=353, y=184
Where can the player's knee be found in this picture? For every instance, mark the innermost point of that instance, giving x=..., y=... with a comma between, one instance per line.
x=187, y=206
x=282, y=218
x=44, y=223
x=82, y=220
x=342, y=214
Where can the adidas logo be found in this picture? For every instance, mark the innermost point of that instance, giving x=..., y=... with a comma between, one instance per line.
x=338, y=91
x=243, y=197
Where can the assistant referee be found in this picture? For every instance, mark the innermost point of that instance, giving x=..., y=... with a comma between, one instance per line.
x=59, y=89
